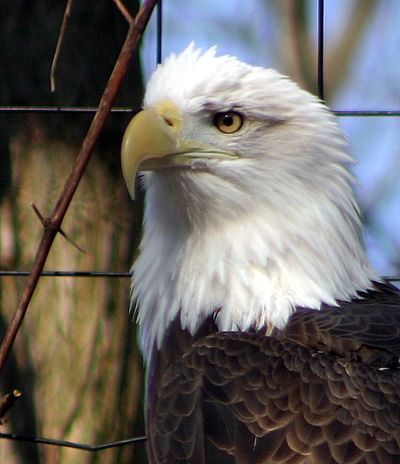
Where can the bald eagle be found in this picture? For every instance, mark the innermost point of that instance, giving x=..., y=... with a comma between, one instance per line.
x=267, y=335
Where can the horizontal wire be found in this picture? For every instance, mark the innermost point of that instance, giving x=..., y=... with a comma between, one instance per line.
x=70, y=444
x=24, y=273
x=59, y=109
x=123, y=110
x=345, y=113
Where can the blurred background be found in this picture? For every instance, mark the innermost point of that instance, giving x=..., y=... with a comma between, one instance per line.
x=75, y=359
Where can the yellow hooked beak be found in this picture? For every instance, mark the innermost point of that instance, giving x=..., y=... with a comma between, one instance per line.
x=152, y=134
x=154, y=140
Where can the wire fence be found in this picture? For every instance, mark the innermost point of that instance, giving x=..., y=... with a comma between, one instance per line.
x=92, y=110
x=109, y=274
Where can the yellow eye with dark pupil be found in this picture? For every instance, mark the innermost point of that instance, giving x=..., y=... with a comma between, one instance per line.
x=228, y=122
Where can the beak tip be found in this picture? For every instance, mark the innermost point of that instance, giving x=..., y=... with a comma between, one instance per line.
x=130, y=184
x=131, y=192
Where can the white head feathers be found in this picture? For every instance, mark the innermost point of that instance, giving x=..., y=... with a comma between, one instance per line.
x=255, y=236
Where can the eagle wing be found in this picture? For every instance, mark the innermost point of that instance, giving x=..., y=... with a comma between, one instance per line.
x=372, y=321
x=249, y=398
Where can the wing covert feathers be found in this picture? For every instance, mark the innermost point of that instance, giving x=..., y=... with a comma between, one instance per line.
x=246, y=398
x=267, y=401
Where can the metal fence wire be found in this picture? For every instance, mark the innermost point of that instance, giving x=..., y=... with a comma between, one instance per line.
x=110, y=274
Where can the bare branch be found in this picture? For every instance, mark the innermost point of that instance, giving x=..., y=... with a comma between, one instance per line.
x=53, y=222
x=302, y=57
x=122, y=8
x=7, y=401
x=66, y=16
x=337, y=56
x=340, y=58
x=44, y=222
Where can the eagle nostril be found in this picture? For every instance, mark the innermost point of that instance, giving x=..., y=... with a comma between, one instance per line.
x=169, y=121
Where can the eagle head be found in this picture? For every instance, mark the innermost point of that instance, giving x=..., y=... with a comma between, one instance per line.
x=250, y=210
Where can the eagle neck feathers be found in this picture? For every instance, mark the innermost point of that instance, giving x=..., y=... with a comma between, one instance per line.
x=249, y=269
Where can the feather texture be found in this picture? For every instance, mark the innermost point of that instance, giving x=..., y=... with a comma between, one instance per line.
x=256, y=237
x=268, y=337
x=331, y=395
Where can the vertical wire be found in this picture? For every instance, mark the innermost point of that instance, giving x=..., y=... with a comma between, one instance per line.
x=320, y=65
x=159, y=31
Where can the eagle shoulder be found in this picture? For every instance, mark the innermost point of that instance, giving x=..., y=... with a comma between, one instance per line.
x=272, y=399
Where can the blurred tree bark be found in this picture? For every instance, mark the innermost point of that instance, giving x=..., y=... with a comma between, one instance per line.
x=75, y=360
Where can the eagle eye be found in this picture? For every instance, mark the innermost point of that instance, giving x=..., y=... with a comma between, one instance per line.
x=228, y=122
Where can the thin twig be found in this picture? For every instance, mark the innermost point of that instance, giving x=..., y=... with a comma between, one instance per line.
x=7, y=401
x=43, y=220
x=53, y=222
x=124, y=11
x=66, y=16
